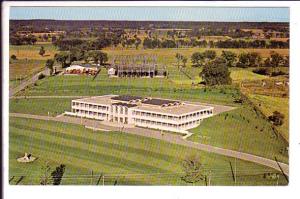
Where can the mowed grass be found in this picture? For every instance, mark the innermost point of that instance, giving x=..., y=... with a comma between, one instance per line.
x=31, y=52
x=268, y=105
x=40, y=106
x=243, y=130
x=242, y=74
x=122, y=158
x=153, y=87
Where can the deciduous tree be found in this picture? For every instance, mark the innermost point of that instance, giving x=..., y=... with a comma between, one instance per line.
x=216, y=72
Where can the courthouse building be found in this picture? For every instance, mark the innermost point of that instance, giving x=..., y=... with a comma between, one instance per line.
x=156, y=113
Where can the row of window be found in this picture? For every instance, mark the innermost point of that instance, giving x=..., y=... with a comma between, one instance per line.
x=197, y=114
x=142, y=121
x=83, y=105
x=121, y=120
x=90, y=113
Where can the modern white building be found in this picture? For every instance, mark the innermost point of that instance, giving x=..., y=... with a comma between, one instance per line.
x=156, y=113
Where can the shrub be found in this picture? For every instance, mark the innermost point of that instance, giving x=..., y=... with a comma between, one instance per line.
x=193, y=169
x=277, y=118
x=261, y=71
x=13, y=57
x=41, y=76
x=273, y=74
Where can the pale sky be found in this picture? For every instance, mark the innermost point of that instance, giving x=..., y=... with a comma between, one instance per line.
x=153, y=13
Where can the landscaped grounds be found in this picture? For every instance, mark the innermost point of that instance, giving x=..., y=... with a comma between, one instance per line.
x=121, y=158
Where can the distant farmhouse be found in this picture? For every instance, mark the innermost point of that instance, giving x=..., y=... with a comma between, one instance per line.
x=79, y=69
x=136, y=66
x=156, y=113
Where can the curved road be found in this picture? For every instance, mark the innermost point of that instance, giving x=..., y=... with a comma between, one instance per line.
x=168, y=137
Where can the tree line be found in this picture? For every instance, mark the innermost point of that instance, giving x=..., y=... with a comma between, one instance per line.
x=243, y=60
x=216, y=68
x=152, y=43
x=22, y=39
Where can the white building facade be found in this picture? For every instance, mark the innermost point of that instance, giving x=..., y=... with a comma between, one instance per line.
x=153, y=113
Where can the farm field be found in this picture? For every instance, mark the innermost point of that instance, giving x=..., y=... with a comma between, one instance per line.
x=122, y=158
x=22, y=68
x=31, y=52
x=241, y=129
x=167, y=56
x=268, y=105
x=28, y=61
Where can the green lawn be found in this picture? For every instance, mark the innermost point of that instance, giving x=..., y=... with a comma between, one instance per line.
x=40, y=106
x=123, y=158
x=243, y=130
x=242, y=74
x=155, y=87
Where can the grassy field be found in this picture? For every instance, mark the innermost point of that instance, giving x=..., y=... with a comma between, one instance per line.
x=269, y=104
x=28, y=61
x=156, y=87
x=31, y=52
x=22, y=68
x=167, y=56
x=122, y=158
x=242, y=74
x=241, y=129
x=40, y=106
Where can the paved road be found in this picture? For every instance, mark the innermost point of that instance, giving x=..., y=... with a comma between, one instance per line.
x=172, y=138
x=25, y=83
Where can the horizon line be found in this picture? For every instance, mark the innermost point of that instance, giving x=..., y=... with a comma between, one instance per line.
x=152, y=20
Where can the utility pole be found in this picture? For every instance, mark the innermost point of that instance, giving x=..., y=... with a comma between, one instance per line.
x=92, y=176
x=209, y=177
x=235, y=171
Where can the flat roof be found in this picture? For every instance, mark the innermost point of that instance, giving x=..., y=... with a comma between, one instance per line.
x=173, y=110
x=159, y=102
x=124, y=104
x=104, y=100
x=126, y=98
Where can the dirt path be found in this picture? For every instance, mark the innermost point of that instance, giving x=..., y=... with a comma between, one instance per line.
x=172, y=138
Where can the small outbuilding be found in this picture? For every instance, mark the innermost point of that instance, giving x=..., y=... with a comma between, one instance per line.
x=78, y=69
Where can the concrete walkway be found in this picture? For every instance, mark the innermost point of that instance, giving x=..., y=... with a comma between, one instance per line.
x=168, y=137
